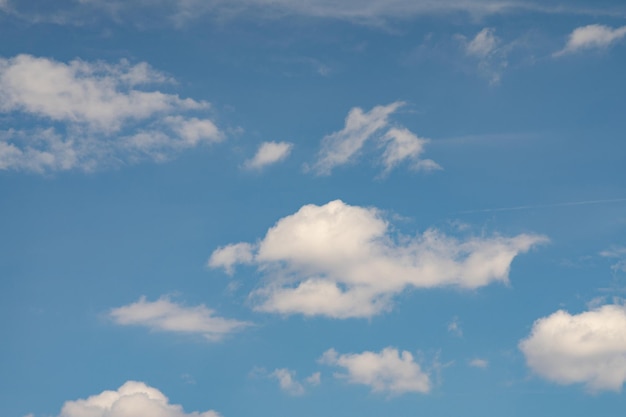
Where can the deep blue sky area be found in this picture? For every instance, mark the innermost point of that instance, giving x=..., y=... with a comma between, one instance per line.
x=276, y=208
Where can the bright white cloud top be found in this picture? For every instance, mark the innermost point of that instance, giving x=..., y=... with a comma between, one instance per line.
x=592, y=36
x=341, y=261
x=86, y=115
x=133, y=399
x=387, y=371
x=269, y=153
x=164, y=315
x=342, y=147
x=587, y=348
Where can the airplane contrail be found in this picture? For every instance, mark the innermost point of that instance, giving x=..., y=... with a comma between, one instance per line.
x=571, y=203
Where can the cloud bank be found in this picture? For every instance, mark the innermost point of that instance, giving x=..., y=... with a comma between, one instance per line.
x=133, y=399
x=587, y=348
x=342, y=261
x=387, y=371
x=164, y=315
x=87, y=115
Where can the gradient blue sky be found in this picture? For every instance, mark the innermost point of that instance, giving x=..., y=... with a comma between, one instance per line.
x=374, y=207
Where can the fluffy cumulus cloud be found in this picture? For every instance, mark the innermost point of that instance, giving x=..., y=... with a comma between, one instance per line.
x=342, y=261
x=133, y=399
x=400, y=144
x=388, y=371
x=85, y=115
x=587, y=348
x=592, y=36
x=165, y=315
x=269, y=153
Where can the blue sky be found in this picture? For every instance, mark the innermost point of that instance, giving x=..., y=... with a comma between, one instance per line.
x=312, y=208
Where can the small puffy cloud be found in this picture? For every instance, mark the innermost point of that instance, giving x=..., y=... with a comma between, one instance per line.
x=228, y=256
x=269, y=153
x=287, y=381
x=619, y=254
x=314, y=379
x=86, y=115
x=164, y=315
x=401, y=145
x=343, y=146
x=387, y=371
x=590, y=37
x=587, y=348
x=342, y=261
x=478, y=363
x=133, y=399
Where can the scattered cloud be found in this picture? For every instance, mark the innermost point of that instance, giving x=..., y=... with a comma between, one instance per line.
x=134, y=399
x=619, y=254
x=454, y=327
x=479, y=363
x=164, y=315
x=228, y=256
x=269, y=153
x=387, y=371
x=342, y=261
x=314, y=379
x=288, y=383
x=87, y=115
x=592, y=37
x=490, y=53
x=587, y=348
x=400, y=144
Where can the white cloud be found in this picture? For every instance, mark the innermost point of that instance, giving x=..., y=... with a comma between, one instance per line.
x=479, y=363
x=86, y=115
x=454, y=327
x=592, y=36
x=341, y=261
x=133, y=399
x=618, y=253
x=314, y=379
x=164, y=315
x=488, y=50
x=228, y=256
x=287, y=381
x=587, y=348
x=269, y=153
x=402, y=144
x=343, y=146
x=388, y=371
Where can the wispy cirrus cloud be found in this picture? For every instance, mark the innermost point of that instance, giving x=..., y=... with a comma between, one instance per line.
x=592, y=37
x=167, y=316
x=90, y=115
x=342, y=261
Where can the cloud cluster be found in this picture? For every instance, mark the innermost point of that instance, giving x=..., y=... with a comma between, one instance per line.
x=288, y=382
x=592, y=36
x=342, y=261
x=269, y=153
x=387, y=371
x=133, y=399
x=587, y=348
x=85, y=115
x=343, y=146
x=164, y=315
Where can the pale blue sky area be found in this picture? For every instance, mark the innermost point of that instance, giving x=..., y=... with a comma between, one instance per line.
x=255, y=208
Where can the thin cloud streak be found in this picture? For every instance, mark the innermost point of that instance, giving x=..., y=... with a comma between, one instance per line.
x=536, y=206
